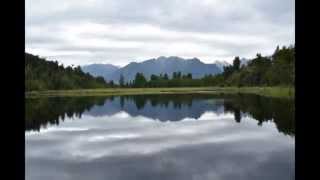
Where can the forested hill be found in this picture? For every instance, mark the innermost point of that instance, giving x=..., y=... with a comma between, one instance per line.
x=275, y=70
x=48, y=75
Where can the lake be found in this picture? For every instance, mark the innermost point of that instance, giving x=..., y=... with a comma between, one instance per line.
x=180, y=137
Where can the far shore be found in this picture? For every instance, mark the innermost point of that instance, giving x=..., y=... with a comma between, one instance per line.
x=281, y=92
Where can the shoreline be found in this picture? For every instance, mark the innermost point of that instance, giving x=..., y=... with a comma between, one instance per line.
x=281, y=92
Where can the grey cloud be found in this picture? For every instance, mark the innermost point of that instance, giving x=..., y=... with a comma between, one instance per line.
x=271, y=20
x=178, y=15
x=93, y=49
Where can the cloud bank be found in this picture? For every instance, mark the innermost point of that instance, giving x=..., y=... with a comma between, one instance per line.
x=120, y=31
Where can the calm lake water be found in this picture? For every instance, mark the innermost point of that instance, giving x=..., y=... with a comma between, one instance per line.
x=151, y=137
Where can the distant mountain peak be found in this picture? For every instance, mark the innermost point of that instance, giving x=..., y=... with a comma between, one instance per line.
x=164, y=58
x=163, y=64
x=221, y=64
x=101, y=64
x=98, y=69
x=161, y=57
x=195, y=60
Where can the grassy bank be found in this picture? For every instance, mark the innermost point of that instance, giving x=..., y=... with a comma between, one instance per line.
x=285, y=92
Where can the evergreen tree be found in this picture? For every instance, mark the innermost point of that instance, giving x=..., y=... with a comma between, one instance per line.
x=165, y=77
x=111, y=83
x=140, y=80
x=154, y=77
x=189, y=76
x=236, y=64
x=121, y=81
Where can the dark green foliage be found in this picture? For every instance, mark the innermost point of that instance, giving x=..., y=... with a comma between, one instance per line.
x=283, y=66
x=178, y=80
x=111, y=83
x=165, y=77
x=254, y=74
x=140, y=80
x=279, y=69
x=121, y=81
x=189, y=76
x=236, y=64
x=227, y=71
x=48, y=75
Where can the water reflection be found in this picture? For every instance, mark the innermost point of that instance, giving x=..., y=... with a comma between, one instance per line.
x=179, y=137
x=50, y=111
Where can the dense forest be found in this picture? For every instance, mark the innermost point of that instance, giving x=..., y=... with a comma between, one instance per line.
x=275, y=70
x=48, y=75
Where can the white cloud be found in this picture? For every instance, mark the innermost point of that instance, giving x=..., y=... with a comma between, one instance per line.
x=117, y=32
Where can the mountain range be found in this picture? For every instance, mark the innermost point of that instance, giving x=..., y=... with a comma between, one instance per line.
x=104, y=70
x=159, y=65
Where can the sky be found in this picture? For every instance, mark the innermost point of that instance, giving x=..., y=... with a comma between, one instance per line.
x=118, y=32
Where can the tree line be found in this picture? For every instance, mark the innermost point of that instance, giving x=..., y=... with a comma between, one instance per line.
x=41, y=74
x=275, y=70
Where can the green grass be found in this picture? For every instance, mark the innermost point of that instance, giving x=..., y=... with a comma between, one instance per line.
x=284, y=92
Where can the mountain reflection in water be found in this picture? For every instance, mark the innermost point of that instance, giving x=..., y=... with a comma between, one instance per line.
x=50, y=111
x=174, y=137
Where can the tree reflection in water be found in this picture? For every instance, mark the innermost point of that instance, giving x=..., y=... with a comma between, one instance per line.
x=48, y=111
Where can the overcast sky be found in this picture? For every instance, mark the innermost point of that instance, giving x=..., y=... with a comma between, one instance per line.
x=120, y=31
